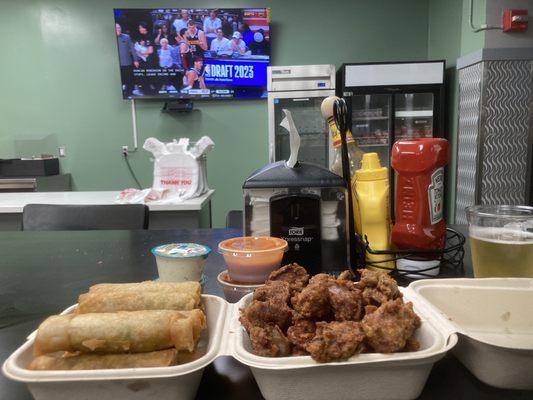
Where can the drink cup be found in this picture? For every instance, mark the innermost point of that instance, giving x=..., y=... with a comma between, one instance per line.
x=501, y=240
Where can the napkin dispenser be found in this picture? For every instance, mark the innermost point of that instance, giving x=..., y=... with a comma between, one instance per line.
x=303, y=203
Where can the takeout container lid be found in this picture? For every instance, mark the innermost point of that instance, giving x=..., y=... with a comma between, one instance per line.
x=494, y=322
x=181, y=250
x=453, y=313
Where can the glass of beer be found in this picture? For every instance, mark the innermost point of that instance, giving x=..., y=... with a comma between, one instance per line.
x=501, y=240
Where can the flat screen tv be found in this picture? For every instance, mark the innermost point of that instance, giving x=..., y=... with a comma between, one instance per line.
x=193, y=53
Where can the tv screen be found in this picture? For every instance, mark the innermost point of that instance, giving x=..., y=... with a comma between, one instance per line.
x=193, y=53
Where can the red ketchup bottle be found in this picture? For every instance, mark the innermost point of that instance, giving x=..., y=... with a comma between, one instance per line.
x=419, y=164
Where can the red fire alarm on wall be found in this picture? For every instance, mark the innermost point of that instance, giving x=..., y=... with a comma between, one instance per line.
x=515, y=20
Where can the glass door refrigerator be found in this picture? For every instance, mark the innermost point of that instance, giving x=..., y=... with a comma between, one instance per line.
x=300, y=89
x=391, y=101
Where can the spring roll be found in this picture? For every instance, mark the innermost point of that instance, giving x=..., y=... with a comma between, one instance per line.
x=120, y=332
x=99, y=302
x=193, y=288
x=161, y=358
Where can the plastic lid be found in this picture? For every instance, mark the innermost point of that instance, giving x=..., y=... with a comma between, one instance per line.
x=253, y=244
x=181, y=250
x=371, y=168
x=278, y=175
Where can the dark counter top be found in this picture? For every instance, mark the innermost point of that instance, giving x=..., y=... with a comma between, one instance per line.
x=44, y=272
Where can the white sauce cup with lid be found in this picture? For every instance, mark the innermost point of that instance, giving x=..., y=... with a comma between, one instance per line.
x=180, y=262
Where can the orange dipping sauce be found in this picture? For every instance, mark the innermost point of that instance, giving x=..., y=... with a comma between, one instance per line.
x=250, y=259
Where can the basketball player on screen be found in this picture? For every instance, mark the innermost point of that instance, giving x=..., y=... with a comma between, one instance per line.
x=196, y=39
x=194, y=77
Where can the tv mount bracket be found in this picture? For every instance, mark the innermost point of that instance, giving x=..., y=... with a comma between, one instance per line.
x=178, y=105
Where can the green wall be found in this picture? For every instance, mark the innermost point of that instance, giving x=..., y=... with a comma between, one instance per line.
x=444, y=41
x=450, y=37
x=59, y=83
x=472, y=41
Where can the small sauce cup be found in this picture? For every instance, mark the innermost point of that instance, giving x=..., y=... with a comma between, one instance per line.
x=180, y=262
x=251, y=259
x=234, y=291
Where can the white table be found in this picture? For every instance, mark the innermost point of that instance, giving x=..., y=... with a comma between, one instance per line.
x=187, y=214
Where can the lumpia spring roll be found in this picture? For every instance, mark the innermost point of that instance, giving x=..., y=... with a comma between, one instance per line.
x=161, y=358
x=97, y=302
x=193, y=288
x=120, y=332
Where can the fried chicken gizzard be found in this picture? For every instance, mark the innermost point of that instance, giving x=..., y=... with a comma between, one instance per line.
x=300, y=334
x=335, y=340
x=377, y=287
x=295, y=275
x=391, y=327
x=328, y=298
x=329, y=318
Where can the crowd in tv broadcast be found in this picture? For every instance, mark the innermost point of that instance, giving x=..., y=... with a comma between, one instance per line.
x=166, y=54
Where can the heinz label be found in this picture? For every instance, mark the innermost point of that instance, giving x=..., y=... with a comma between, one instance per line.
x=435, y=195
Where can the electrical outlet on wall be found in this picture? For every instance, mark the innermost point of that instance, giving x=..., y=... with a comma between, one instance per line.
x=62, y=151
x=125, y=150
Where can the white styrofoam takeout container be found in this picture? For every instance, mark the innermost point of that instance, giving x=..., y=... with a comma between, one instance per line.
x=363, y=376
x=162, y=383
x=489, y=317
x=494, y=320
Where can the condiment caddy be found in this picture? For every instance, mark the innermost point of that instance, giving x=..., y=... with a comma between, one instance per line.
x=419, y=242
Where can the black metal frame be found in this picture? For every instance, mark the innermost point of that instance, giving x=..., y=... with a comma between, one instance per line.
x=450, y=257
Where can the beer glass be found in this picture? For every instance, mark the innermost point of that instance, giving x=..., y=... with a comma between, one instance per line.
x=501, y=240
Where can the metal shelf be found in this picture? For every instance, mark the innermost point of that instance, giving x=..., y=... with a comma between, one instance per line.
x=381, y=118
x=374, y=145
x=413, y=114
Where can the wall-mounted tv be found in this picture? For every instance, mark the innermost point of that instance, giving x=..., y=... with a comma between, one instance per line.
x=193, y=53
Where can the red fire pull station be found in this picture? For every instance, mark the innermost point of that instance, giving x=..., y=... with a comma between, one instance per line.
x=515, y=20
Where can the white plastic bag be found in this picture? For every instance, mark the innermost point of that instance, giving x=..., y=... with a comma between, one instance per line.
x=175, y=169
x=179, y=172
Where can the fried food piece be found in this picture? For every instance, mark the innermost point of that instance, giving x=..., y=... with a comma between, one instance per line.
x=345, y=300
x=321, y=278
x=389, y=328
x=377, y=287
x=261, y=313
x=269, y=341
x=411, y=345
x=104, y=302
x=295, y=275
x=335, y=341
x=120, y=332
x=313, y=301
x=161, y=358
x=300, y=334
x=326, y=296
x=299, y=351
x=277, y=291
x=345, y=275
x=369, y=309
x=192, y=288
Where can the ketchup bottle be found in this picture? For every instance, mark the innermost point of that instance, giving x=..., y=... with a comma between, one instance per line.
x=419, y=164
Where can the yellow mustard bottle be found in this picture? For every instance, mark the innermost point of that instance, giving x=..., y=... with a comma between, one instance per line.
x=371, y=208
